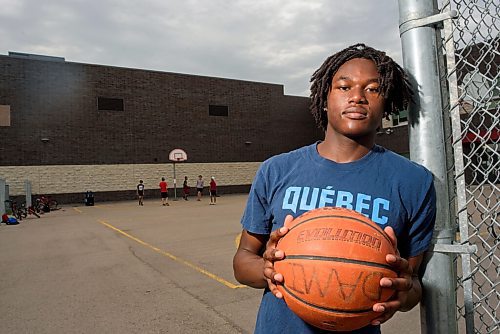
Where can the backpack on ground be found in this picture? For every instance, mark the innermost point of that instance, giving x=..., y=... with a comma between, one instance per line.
x=12, y=221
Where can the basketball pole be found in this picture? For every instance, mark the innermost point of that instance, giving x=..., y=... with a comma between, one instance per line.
x=176, y=155
x=175, y=185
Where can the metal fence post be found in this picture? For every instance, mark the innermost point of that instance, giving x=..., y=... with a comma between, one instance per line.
x=427, y=147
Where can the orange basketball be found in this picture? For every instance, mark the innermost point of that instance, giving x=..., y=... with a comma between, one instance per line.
x=334, y=260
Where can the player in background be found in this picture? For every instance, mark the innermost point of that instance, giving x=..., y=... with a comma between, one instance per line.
x=213, y=191
x=164, y=192
x=199, y=187
x=140, y=192
x=185, y=188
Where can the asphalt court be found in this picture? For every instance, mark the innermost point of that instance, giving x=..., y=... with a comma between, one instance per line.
x=118, y=267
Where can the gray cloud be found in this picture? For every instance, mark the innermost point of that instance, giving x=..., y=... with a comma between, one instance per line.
x=258, y=40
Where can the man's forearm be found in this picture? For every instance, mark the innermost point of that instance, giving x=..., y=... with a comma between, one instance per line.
x=249, y=269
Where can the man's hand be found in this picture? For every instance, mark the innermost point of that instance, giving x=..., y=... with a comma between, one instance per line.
x=407, y=289
x=272, y=254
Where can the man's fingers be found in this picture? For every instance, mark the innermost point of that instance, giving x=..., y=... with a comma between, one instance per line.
x=400, y=264
x=271, y=274
x=399, y=284
x=273, y=279
x=392, y=235
x=274, y=289
x=405, y=281
x=278, y=234
x=386, y=311
x=273, y=255
x=278, y=277
x=288, y=221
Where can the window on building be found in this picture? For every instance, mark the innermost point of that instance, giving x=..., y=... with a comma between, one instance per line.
x=4, y=115
x=109, y=104
x=400, y=119
x=214, y=110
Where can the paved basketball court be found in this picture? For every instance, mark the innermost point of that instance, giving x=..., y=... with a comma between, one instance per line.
x=123, y=268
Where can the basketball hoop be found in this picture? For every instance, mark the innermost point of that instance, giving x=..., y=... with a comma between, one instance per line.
x=177, y=155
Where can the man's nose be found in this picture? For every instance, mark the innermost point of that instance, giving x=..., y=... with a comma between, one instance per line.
x=357, y=95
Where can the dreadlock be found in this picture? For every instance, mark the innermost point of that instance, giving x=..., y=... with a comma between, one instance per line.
x=394, y=84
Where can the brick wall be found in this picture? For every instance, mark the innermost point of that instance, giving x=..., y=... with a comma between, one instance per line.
x=56, y=101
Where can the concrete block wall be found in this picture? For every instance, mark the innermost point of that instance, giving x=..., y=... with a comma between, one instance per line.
x=76, y=179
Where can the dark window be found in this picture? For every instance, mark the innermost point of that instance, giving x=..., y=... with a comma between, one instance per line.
x=106, y=103
x=403, y=116
x=217, y=110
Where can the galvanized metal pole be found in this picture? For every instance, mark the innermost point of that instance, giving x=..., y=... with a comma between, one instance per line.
x=427, y=147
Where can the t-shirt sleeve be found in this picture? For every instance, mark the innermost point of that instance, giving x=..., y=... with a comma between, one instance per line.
x=423, y=219
x=257, y=215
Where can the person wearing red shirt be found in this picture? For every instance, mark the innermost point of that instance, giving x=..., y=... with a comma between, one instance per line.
x=164, y=192
x=213, y=191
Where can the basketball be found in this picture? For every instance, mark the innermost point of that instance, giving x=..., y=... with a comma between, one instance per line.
x=334, y=260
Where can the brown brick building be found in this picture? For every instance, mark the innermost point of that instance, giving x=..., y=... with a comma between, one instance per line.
x=71, y=113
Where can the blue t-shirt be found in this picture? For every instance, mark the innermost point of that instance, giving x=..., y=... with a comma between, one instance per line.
x=389, y=189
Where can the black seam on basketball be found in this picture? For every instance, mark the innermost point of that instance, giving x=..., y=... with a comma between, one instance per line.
x=376, y=227
x=328, y=309
x=339, y=259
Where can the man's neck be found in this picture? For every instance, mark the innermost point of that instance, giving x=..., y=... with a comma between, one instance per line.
x=342, y=149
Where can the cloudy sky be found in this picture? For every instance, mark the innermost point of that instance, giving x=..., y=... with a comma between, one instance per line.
x=275, y=41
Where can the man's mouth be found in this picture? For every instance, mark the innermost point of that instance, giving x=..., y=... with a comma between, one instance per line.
x=355, y=113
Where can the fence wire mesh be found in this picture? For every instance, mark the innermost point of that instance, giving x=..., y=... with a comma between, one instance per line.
x=471, y=46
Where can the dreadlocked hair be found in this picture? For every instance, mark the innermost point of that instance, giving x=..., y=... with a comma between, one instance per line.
x=394, y=84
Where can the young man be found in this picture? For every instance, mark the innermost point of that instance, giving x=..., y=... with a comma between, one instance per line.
x=140, y=192
x=350, y=93
x=213, y=191
x=185, y=188
x=164, y=192
x=199, y=187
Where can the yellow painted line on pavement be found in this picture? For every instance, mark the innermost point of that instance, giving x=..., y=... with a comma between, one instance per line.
x=175, y=258
x=78, y=210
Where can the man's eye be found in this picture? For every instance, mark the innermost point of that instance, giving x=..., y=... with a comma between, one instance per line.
x=373, y=89
x=343, y=87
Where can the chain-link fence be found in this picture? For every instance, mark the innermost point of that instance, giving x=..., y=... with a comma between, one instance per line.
x=471, y=45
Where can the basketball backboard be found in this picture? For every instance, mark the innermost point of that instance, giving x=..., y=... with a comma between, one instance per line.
x=177, y=155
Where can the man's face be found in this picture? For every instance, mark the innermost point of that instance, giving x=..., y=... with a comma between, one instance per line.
x=355, y=108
